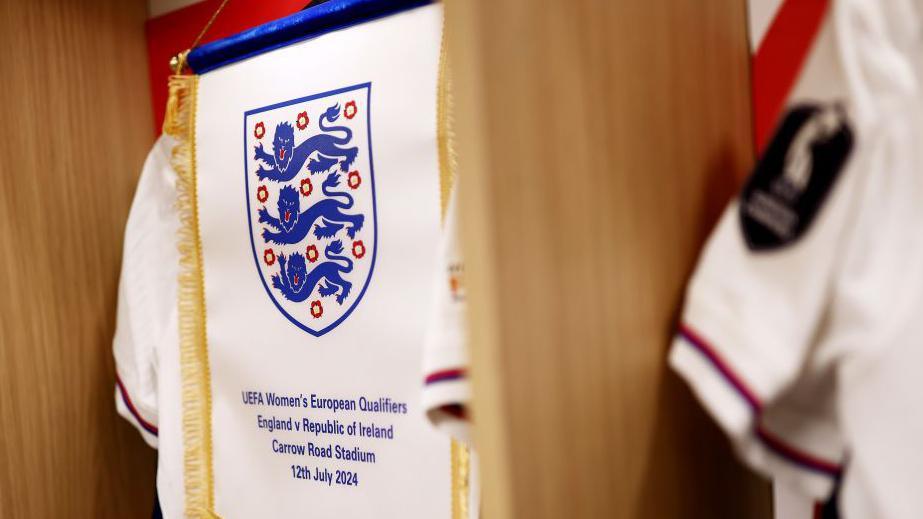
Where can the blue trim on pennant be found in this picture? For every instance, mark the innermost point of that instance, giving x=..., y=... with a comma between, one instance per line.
x=310, y=23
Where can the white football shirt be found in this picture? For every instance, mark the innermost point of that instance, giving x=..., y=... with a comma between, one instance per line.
x=146, y=318
x=147, y=332
x=446, y=390
x=807, y=353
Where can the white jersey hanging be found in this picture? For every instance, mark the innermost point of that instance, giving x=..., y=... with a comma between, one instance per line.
x=800, y=331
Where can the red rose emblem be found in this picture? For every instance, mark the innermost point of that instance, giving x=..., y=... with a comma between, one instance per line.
x=311, y=253
x=317, y=309
x=269, y=256
x=358, y=249
x=350, y=110
x=354, y=179
x=306, y=187
x=260, y=130
x=302, y=121
x=262, y=194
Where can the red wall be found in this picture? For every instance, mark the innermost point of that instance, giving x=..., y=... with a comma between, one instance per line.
x=175, y=31
x=777, y=62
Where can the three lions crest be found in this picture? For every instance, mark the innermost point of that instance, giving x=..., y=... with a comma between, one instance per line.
x=311, y=204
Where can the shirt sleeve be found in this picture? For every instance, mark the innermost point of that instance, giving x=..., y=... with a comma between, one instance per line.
x=446, y=390
x=796, y=439
x=750, y=342
x=752, y=324
x=146, y=315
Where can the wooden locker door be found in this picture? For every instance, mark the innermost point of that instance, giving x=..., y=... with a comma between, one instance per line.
x=75, y=125
x=598, y=142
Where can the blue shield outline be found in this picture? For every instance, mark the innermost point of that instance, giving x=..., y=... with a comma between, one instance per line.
x=371, y=180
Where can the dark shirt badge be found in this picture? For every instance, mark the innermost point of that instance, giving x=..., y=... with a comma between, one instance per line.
x=794, y=175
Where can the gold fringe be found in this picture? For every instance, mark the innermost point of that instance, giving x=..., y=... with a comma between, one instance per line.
x=444, y=133
x=461, y=473
x=447, y=175
x=179, y=123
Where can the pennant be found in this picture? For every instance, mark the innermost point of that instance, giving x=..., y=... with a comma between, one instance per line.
x=308, y=163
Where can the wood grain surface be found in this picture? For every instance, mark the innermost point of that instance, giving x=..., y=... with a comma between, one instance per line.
x=75, y=125
x=598, y=141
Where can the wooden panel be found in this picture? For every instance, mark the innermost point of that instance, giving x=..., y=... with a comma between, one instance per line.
x=598, y=142
x=75, y=125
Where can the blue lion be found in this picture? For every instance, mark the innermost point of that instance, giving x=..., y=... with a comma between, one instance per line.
x=297, y=284
x=293, y=226
x=287, y=159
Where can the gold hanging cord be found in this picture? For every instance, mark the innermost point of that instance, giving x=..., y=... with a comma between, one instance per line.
x=178, y=62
